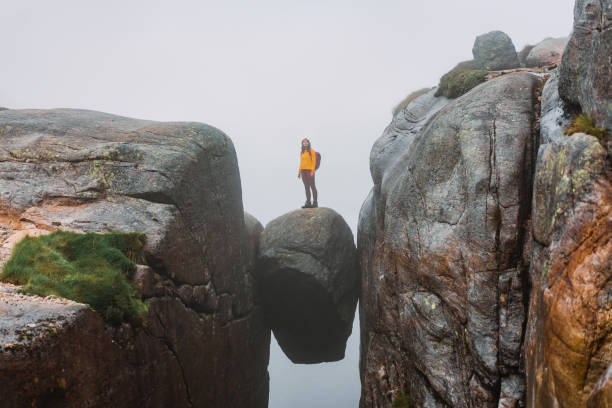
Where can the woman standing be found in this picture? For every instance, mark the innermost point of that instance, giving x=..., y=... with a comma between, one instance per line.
x=308, y=164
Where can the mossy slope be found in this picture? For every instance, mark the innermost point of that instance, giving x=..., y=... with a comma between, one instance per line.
x=461, y=80
x=88, y=268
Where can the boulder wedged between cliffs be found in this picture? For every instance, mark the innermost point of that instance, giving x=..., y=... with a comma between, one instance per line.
x=308, y=280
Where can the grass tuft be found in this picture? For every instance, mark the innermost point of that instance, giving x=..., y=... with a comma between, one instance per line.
x=461, y=80
x=87, y=268
x=583, y=123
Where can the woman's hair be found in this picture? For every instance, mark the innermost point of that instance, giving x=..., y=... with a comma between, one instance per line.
x=306, y=148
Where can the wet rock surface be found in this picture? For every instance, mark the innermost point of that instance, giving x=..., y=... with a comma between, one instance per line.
x=440, y=242
x=569, y=333
x=308, y=276
x=57, y=353
x=494, y=51
x=570, y=330
x=586, y=68
x=179, y=184
x=555, y=116
x=23, y=317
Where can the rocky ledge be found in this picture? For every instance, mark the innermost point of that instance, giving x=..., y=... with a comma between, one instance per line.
x=204, y=342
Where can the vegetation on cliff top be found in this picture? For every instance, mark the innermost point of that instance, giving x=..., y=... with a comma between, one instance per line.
x=583, y=123
x=461, y=79
x=87, y=268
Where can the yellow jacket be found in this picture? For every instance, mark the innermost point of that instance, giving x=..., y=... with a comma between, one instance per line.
x=308, y=160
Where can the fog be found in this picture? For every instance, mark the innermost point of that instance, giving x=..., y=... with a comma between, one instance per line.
x=268, y=74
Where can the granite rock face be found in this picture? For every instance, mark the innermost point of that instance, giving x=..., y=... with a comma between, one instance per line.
x=440, y=244
x=569, y=340
x=485, y=267
x=568, y=347
x=586, y=68
x=547, y=52
x=400, y=133
x=309, y=281
x=179, y=184
x=601, y=396
x=494, y=51
x=555, y=115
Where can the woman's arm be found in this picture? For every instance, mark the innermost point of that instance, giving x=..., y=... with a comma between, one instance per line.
x=300, y=168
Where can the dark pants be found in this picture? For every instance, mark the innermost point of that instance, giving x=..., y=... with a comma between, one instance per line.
x=308, y=177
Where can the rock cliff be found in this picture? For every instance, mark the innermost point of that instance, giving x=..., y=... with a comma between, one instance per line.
x=50, y=355
x=586, y=68
x=570, y=326
x=205, y=342
x=569, y=336
x=440, y=242
x=485, y=245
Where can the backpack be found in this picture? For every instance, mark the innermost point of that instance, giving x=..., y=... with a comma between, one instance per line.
x=318, y=160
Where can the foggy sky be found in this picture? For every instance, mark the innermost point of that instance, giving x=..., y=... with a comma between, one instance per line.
x=267, y=73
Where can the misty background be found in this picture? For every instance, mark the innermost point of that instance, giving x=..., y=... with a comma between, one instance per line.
x=267, y=73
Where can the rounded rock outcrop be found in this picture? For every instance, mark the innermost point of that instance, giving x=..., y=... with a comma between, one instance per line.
x=548, y=52
x=494, y=51
x=399, y=135
x=309, y=283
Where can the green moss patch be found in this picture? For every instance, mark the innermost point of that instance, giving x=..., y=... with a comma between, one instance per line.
x=87, y=268
x=583, y=123
x=461, y=80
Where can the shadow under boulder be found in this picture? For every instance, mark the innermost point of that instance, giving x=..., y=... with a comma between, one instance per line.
x=309, y=283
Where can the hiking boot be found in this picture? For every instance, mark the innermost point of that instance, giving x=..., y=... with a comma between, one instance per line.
x=307, y=204
x=315, y=205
